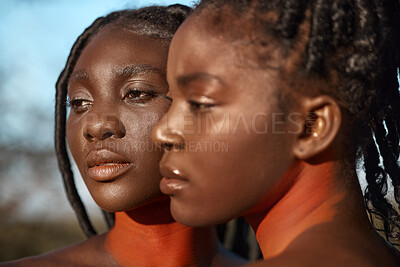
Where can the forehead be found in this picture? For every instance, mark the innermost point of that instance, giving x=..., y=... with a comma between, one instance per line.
x=199, y=47
x=196, y=48
x=117, y=46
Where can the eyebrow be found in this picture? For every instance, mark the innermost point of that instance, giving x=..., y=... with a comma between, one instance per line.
x=132, y=70
x=126, y=71
x=185, y=80
x=79, y=75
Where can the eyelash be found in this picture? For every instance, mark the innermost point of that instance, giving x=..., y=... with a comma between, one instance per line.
x=167, y=97
x=198, y=106
x=138, y=96
x=79, y=105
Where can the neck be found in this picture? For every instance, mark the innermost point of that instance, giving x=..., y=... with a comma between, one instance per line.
x=148, y=236
x=311, y=199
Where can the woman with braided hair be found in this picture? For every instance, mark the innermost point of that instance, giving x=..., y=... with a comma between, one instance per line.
x=299, y=92
x=114, y=81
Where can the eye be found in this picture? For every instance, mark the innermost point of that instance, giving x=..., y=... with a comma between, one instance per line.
x=138, y=96
x=198, y=106
x=79, y=105
x=168, y=98
x=201, y=106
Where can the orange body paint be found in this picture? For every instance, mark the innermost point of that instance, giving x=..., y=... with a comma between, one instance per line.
x=148, y=236
x=310, y=200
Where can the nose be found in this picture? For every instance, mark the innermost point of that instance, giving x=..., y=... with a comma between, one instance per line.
x=101, y=127
x=167, y=134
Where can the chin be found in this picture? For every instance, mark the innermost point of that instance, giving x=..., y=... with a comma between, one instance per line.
x=203, y=216
x=124, y=202
x=191, y=216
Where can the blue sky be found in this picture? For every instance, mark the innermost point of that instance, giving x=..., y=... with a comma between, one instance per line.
x=36, y=37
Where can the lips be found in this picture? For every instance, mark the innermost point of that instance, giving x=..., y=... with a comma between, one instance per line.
x=106, y=166
x=172, y=182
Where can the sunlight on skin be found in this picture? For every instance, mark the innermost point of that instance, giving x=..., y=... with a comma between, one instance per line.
x=40, y=34
x=275, y=232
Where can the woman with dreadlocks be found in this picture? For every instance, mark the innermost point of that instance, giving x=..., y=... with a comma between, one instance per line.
x=298, y=92
x=114, y=80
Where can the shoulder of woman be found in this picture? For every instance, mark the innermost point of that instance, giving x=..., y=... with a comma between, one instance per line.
x=90, y=252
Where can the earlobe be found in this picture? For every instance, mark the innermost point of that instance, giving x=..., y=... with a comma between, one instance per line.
x=321, y=125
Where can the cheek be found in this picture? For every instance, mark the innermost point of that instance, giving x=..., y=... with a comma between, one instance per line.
x=77, y=144
x=233, y=161
x=239, y=168
x=139, y=124
x=138, y=127
x=73, y=135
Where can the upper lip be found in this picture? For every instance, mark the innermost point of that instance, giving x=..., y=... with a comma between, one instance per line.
x=100, y=157
x=170, y=172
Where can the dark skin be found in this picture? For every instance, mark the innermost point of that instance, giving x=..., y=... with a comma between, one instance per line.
x=115, y=99
x=115, y=93
x=287, y=181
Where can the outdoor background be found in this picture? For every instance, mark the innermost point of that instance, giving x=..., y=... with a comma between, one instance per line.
x=35, y=39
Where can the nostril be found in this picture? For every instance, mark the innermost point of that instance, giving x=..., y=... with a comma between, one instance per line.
x=103, y=130
x=89, y=137
x=170, y=146
x=167, y=146
x=107, y=135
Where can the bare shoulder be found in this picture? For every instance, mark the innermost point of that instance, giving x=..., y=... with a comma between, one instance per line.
x=87, y=253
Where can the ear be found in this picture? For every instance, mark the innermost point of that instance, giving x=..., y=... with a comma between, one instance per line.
x=321, y=123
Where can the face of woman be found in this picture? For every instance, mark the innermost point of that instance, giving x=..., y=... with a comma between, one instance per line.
x=114, y=92
x=227, y=141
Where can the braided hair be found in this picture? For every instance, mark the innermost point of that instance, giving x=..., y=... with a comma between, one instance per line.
x=356, y=42
x=155, y=21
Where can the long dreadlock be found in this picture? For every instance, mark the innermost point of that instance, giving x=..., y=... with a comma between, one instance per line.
x=359, y=40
